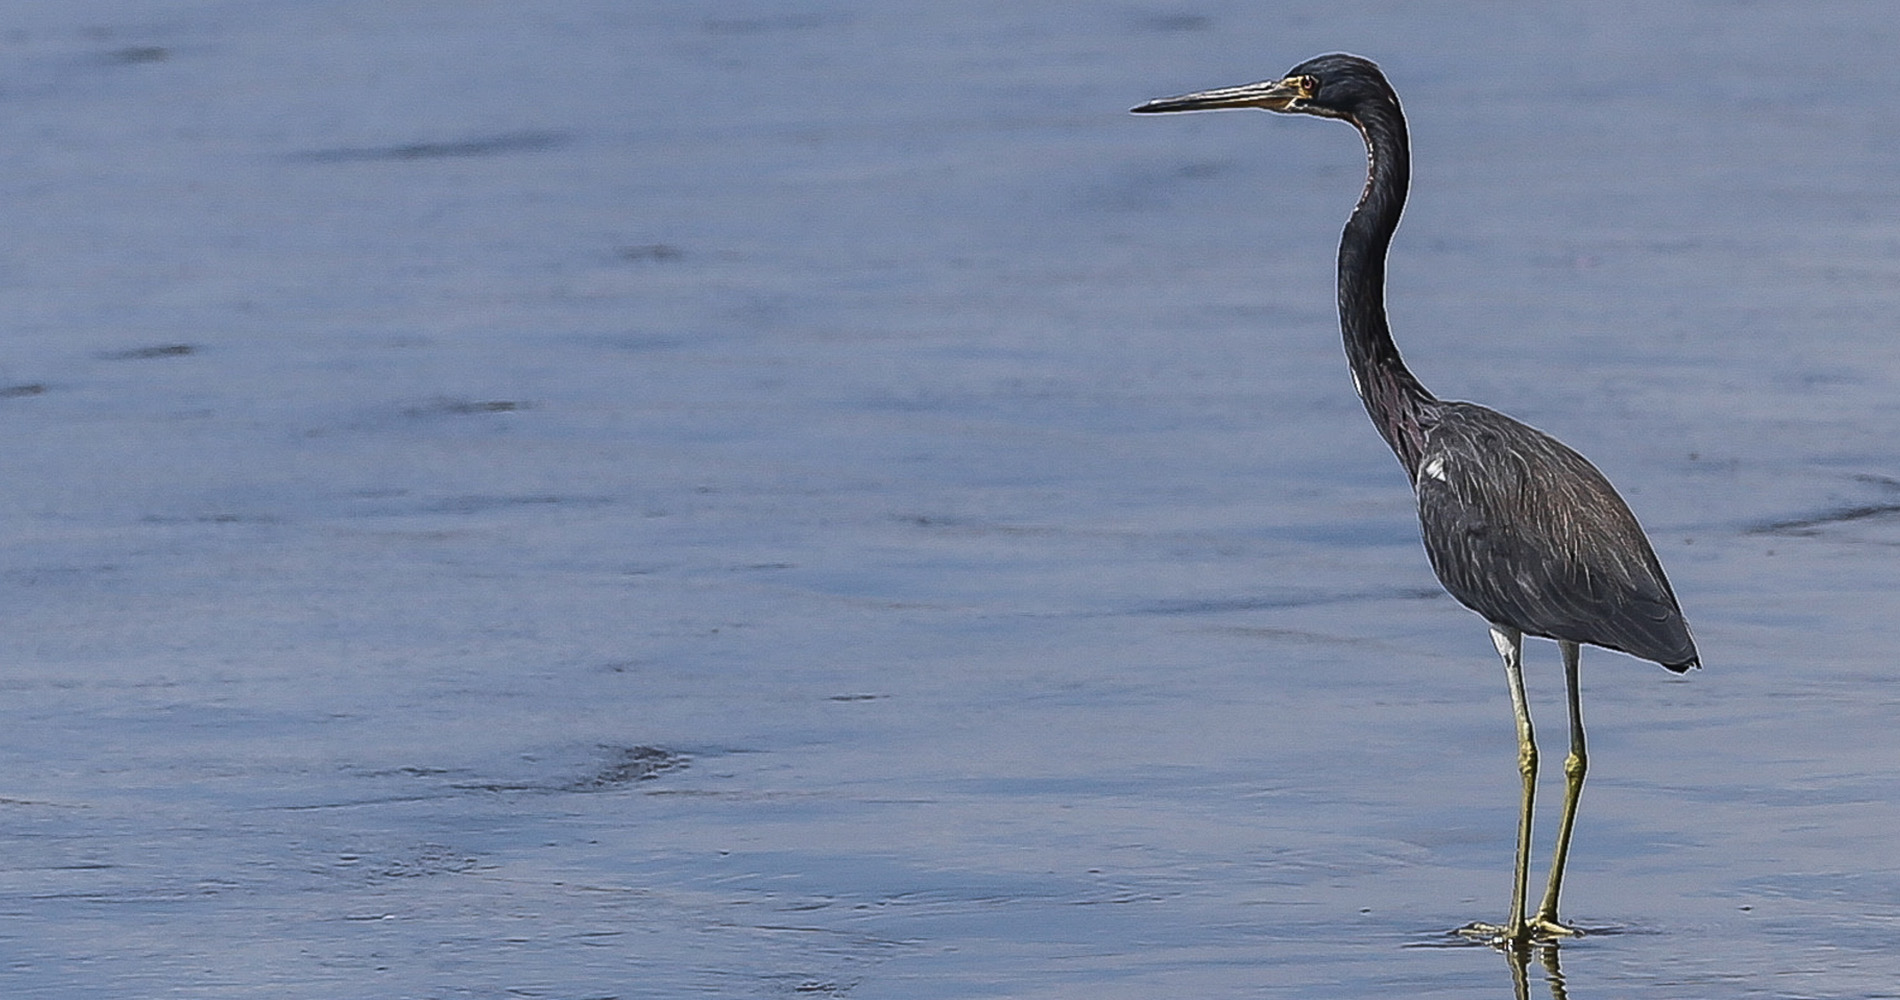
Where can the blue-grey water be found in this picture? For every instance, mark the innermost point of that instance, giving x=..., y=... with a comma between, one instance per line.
x=764, y=499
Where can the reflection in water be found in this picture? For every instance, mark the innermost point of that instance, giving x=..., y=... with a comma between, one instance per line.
x=1520, y=959
x=1518, y=956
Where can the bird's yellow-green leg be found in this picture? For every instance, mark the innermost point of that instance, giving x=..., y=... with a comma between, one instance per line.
x=1516, y=931
x=1545, y=924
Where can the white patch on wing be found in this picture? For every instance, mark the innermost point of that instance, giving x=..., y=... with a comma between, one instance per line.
x=1433, y=467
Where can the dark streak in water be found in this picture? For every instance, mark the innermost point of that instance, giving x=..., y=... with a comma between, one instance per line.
x=427, y=860
x=480, y=504
x=147, y=353
x=942, y=522
x=220, y=517
x=619, y=767
x=362, y=803
x=627, y=765
x=646, y=342
x=36, y=802
x=494, y=145
x=444, y=406
x=761, y=25
x=1208, y=607
x=1173, y=21
x=650, y=252
x=1291, y=635
x=624, y=766
x=1803, y=526
x=133, y=55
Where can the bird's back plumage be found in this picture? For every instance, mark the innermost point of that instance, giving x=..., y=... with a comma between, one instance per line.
x=1526, y=532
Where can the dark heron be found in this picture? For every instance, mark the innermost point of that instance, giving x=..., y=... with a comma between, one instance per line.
x=1519, y=528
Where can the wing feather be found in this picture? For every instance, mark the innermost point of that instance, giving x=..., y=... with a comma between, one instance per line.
x=1526, y=532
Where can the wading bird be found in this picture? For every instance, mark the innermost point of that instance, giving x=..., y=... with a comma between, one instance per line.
x=1519, y=528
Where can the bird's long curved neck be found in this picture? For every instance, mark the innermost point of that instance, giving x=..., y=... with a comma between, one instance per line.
x=1399, y=406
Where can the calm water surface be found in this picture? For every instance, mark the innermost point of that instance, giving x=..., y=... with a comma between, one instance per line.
x=588, y=500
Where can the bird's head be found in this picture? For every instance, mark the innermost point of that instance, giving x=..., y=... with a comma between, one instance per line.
x=1331, y=86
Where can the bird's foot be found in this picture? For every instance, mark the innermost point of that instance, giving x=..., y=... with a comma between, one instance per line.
x=1546, y=929
x=1483, y=933
x=1538, y=930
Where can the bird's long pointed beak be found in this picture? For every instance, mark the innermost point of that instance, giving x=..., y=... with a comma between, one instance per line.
x=1273, y=95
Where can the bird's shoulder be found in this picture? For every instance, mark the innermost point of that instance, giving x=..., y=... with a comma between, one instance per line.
x=1475, y=451
x=1486, y=480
